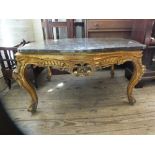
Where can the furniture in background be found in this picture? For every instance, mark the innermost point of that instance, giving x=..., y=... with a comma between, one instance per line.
x=80, y=57
x=8, y=62
x=52, y=29
x=60, y=29
x=143, y=31
x=111, y=28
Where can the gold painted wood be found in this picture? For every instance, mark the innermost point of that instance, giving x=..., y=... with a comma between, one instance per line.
x=49, y=73
x=79, y=64
x=112, y=71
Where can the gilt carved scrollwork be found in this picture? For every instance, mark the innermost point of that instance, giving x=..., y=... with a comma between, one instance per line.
x=79, y=65
x=82, y=69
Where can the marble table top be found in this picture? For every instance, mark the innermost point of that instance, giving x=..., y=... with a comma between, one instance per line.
x=81, y=45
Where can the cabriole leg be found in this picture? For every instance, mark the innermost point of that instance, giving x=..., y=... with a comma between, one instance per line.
x=20, y=76
x=137, y=74
x=49, y=70
x=112, y=71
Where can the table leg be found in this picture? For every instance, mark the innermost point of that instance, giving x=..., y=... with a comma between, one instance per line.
x=137, y=74
x=112, y=71
x=49, y=70
x=20, y=76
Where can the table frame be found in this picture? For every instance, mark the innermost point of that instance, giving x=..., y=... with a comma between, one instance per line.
x=79, y=64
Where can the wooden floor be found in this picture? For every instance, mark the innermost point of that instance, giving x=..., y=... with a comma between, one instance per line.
x=84, y=105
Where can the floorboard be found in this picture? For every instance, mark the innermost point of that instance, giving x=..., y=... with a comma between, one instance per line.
x=86, y=105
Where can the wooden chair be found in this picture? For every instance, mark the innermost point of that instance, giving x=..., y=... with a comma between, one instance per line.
x=8, y=62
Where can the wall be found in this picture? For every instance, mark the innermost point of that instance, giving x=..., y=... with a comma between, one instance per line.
x=37, y=30
x=12, y=31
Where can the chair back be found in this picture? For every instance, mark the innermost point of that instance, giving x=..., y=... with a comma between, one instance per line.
x=7, y=57
x=8, y=62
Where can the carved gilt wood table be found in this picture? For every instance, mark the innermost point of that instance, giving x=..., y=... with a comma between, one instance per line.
x=80, y=57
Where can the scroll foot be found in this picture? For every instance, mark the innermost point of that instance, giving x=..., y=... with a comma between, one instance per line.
x=32, y=108
x=132, y=100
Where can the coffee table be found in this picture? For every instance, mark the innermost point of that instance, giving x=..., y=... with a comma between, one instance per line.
x=79, y=56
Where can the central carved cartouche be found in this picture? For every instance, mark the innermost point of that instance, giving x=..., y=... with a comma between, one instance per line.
x=83, y=69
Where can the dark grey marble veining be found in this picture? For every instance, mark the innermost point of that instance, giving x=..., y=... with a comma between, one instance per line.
x=81, y=45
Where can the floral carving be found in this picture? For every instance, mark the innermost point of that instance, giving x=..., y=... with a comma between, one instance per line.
x=83, y=69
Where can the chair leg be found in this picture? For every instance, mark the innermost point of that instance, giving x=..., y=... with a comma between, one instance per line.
x=49, y=74
x=7, y=75
x=112, y=71
x=8, y=82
